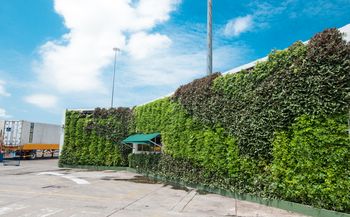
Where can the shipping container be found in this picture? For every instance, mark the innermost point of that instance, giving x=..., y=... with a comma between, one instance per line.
x=26, y=138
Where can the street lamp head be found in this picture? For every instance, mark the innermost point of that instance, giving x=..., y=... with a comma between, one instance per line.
x=116, y=49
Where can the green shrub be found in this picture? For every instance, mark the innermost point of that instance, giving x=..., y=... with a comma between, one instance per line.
x=245, y=176
x=311, y=163
x=220, y=130
x=197, y=153
x=251, y=105
x=145, y=163
x=184, y=137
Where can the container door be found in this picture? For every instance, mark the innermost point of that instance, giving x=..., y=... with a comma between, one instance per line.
x=12, y=133
x=12, y=138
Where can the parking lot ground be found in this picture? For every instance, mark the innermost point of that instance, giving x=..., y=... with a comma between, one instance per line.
x=39, y=188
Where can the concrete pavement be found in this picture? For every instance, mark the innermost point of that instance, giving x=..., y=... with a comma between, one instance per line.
x=39, y=188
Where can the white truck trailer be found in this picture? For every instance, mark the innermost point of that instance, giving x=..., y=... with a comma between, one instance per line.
x=25, y=138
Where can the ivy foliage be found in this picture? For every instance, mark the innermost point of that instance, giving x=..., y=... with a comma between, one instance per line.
x=273, y=131
x=144, y=163
x=244, y=178
x=312, y=162
x=182, y=136
x=95, y=138
x=195, y=152
x=251, y=105
x=311, y=166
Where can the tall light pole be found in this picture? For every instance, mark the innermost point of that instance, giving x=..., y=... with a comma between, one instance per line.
x=209, y=38
x=115, y=62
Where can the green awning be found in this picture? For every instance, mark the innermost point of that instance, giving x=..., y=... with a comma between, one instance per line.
x=141, y=138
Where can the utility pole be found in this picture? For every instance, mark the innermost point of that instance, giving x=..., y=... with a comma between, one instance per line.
x=115, y=62
x=209, y=38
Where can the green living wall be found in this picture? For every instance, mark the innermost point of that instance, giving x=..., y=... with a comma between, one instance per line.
x=279, y=130
x=94, y=137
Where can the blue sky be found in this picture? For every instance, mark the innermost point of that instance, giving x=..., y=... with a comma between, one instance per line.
x=58, y=54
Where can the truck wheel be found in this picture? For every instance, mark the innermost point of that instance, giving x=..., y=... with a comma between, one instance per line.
x=32, y=155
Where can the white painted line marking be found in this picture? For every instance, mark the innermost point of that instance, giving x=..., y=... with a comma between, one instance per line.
x=49, y=212
x=45, y=212
x=4, y=210
x=11, y=208
x=79, y=181
x=76, y=180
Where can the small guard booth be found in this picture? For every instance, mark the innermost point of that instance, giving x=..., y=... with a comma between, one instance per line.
x=144, y=143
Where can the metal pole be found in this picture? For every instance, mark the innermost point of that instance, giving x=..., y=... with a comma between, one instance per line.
x=209, y=38
x=115, y=62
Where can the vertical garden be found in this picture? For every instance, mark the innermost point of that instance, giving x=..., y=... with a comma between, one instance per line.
x=94, y=137
x=279, y=130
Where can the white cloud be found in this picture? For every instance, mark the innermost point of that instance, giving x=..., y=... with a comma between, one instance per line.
x=262, y=12
x=44, y=101
x=75, y=62
x=142, y=45
x=3, y=91
x=238, y=25
x=164, y=69
x=78, y=66
x=3, y=113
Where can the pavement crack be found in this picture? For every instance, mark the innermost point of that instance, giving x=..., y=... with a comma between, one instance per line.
x=188, y=202
x=185, y=200
x=187, y=193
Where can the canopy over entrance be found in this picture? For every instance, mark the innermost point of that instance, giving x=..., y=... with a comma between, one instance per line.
x=141, y=138
x=141, y=143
